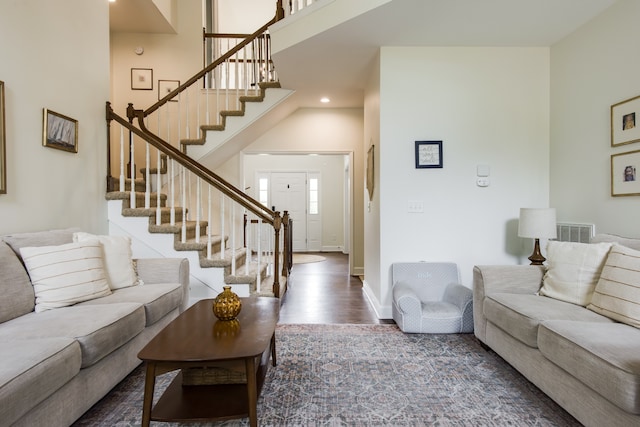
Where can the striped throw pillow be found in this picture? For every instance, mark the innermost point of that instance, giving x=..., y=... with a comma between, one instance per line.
x=617, y=294
x=67, y=274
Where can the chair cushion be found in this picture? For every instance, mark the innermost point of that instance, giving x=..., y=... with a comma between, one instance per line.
x=15, y=287
x=617, y=294
x=439, y=317
x=100, y=329
x=66, y=274
x=520, y=315
x=604, y=356
x=31, y=370
x=158, y=299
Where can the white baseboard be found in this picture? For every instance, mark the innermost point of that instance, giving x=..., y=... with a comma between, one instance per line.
x=382, y=312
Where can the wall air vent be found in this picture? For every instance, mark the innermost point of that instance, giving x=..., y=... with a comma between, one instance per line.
x=582, y=233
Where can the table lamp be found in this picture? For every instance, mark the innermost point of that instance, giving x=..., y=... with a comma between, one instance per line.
x=537, y=223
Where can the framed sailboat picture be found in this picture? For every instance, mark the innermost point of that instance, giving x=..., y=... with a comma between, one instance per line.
x=59, y=131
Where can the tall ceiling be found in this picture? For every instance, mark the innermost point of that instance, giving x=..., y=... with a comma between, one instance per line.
x=335, y=62
x=137, y=16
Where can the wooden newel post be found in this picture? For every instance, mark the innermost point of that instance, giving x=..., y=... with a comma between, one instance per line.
x=110, y=179
x=277, y=223
x=286, y=243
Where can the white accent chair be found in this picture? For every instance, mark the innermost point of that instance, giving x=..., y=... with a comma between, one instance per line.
x=428, y=298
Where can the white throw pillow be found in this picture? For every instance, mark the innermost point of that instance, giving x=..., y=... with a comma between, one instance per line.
x=617, y=294
x=574, y=270
x=67, y=274
x=117, y=259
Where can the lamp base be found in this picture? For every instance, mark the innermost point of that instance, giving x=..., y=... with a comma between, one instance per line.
x=536, y=257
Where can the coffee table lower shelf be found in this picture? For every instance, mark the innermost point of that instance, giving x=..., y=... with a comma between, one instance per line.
x=204, y=402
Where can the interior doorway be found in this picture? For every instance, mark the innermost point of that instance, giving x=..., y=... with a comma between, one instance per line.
x=314, y=189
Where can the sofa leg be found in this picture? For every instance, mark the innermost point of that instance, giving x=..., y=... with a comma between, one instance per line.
x=484, y=346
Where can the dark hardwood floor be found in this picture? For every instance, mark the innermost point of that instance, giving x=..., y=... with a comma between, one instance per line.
x=324, y=292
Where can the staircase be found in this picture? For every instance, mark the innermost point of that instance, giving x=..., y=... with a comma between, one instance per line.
x=223, y=266
x=241, y=242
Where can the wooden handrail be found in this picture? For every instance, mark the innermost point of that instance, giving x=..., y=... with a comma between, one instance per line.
x=193, y=166
x=279, y=15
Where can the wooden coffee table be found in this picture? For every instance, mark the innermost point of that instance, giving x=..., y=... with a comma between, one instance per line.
x=195, y=340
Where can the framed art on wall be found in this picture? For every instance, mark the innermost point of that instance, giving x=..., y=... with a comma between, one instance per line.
x=59, y=131
x=625, y=122
x=428, y=154
x=141, y=79
x=3, y=152
x=624, y=174
x=165, y=87
x=370, y=171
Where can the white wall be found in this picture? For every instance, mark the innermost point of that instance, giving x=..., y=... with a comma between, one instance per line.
x=55, y=55
x=371, y=206
x=489, y=106
x=170, y=56
x=593, y=68
x=331, y=169
x=244, y=16
x=325, y=130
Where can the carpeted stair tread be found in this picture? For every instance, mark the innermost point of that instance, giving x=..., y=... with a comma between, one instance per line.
x=177, y=228
x=232, y=113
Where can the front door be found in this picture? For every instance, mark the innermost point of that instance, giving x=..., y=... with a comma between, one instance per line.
x=288, y=192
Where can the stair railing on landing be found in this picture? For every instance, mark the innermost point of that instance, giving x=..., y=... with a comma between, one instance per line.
x=201, y=103
x=183, y=174
x=296, y=6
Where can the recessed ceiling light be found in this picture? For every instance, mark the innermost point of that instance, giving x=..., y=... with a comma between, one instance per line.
x=325, y=100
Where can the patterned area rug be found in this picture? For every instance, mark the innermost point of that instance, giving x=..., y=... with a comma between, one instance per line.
x=370, y=375
x=302, y=258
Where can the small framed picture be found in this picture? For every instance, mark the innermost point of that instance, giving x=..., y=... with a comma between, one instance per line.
x=165, y=87
x=59, y=131
x=428, y=154
x=141, y=79
x=3, y=160
x=625, y=122
x=624, y=174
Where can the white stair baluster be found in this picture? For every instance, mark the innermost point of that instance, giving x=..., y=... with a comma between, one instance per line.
x=198, y=207
x=132, y=171
x=122, y=174
x=209, y=219
x=223, y=243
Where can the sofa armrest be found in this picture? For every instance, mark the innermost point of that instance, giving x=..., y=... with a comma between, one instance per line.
x=488, y=279
x=166, y=270
x=406, y=300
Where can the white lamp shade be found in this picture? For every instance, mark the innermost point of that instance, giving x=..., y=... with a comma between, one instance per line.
x=537, y=223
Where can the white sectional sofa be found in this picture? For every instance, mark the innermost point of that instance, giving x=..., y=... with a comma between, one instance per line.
x=584, y=354
x=56, y=363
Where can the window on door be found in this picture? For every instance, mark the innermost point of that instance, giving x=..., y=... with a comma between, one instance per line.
x=313, y=196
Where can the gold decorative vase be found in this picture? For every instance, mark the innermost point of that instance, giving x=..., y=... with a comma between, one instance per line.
x=227, y=305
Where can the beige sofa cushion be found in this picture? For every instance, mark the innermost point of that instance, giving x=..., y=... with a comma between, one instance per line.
x=158, y=299
x=99, y=329
x=520, y=315
x=39, y=238
x=16, y=290
x=617, y=294
x=31, y=370
x=604, y=356
x=612, y=238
